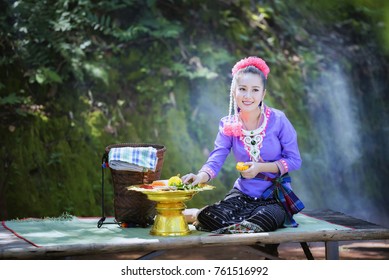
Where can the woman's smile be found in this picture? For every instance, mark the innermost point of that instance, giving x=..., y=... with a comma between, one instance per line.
x=248, y=103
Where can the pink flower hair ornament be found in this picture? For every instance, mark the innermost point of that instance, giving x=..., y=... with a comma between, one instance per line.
x=257, y=62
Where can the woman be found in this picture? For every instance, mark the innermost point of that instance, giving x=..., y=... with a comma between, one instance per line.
x=265, y=140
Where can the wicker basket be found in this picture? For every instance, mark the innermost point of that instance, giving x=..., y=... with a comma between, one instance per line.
x=131, y=206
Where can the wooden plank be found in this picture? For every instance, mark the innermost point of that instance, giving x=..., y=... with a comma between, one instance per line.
x=341, y=219
x=187, y=242
x=12, y=247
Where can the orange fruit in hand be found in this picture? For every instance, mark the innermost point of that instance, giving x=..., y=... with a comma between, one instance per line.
x=240, y=166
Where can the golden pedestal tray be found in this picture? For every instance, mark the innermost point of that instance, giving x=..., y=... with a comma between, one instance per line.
x=170, y=220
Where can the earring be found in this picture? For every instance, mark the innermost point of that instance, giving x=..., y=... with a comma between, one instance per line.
x=261, y=106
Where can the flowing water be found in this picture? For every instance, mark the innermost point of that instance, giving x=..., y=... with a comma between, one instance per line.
x=346, y=168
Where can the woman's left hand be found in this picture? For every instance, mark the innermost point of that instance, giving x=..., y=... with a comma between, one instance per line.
x=253, y=170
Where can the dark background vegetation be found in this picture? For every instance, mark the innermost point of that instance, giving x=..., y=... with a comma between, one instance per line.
x=79, y=75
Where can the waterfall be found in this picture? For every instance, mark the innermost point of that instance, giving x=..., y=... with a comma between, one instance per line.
x=336, y=118
x=340, y=171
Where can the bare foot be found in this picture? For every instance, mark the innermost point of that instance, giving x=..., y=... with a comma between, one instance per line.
x=190, y=214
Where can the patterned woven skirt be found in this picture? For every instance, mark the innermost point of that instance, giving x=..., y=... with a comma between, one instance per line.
x=240, y=213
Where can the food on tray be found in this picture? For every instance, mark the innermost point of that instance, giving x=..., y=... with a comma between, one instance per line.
x=240, y=166
x=173, y=184
x=149, y=187
x=174, y=181
x=159, y=183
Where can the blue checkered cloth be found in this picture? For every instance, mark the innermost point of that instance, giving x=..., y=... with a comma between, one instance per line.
x=139, y=159
x=285, y=196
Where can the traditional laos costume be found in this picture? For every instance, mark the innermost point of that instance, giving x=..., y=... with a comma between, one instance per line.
x=267, y=201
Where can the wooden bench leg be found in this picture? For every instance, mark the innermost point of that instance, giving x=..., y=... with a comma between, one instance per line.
x=307, y=251
x=151, y=255
x=332, y=250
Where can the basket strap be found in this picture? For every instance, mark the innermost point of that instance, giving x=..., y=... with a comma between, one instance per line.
x=104, y=165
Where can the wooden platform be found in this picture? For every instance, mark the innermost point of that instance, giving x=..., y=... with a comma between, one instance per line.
x=12, y=247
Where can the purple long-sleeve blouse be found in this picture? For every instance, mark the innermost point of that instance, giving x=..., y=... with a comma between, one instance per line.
x=279, y=146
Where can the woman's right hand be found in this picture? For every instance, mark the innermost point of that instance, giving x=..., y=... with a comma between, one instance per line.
x=201, y=177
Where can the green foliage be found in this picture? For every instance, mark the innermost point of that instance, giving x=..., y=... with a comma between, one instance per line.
x=46, y=76
x=11, y=99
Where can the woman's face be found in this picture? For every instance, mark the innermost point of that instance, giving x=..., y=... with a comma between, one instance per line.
x=249, y=92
